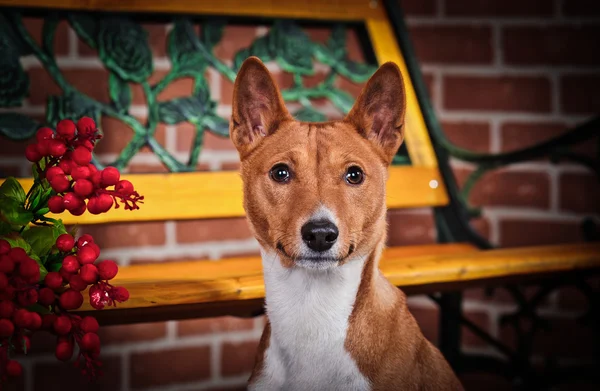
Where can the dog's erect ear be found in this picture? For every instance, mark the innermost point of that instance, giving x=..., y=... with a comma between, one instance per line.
x=257, y=107
x=378, y=113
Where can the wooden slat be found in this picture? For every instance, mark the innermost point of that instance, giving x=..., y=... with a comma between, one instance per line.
x=241, y=279
x=204, y=195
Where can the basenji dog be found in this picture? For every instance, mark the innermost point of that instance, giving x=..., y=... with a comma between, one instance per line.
x=314, y=194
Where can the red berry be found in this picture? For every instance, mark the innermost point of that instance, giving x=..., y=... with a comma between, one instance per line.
x=4, y=247
x=120, y=294
x=66, y=129
x=82, y=156
x=64, y=348
x=54, y=171
x=57, y=148
x=92, y=168
x=70, y=264
x=66, y=276
x=29, y=268
x=7, y=328
x=70, y=299
x=77, y=284
x=65, y=164
x=18, y=254
x=89, y=273
x=80, y=172
x=87, y=255
x=14, y=368
x=83, y=187
x=27, y=298
x=107, y=270
x=88, y=144
x=55, y=204
x=43, y=147
x=7, y=264
x=46, y=296
x=60, y=183
x=124, y=187
x=79, y=211
x=100, y=204
x=110, y=176
x=72, y=201
x=53, y=280
x=65, y=243
x=48, y=321
x=35, y=321
x=84, y=240
x=96, y=179
x=7, y=308
x=92, y=206
x=3, y=282
x=32, y=154
x=44, y=134
x=86, y=125
x=62, y=325
x=89, y=324
x=90, y=342
x=21, y=318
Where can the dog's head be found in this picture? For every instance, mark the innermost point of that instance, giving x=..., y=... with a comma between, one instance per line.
x=315, y=192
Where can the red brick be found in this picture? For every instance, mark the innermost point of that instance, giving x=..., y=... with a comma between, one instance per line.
x=501, y=295
x=471, y=135
x=482, y=226
x=350, y=87
x=480, y=319
x=7, y=170
x=485, y=381
x=137, y=168
x=580, y=193
x=229, y=388
x=44, y=86
x=418, y=7
x=59, y=376
x=146, y=261
x=581, y=8
x=78, y=78
x=500, y=8
x=566, y=338
x=116, y=136
x=126, y=234
x=235, y=166
x=579, y=94
x=179, y=88
x=453, y=44
x=509, y=188
x=226, y=91
x=517, y=135
x=571, y=298
x=238, y=358
x=61, y=36
x=152, y=369
x=234, y=39
x=125, y=334
x=213, y=229
x=428, y=320
x=186, y=133
x=213, y=325
x=13, y=148
x=523, y=232
x=406, y=228
x=157, y=38
x=551, y=46
x=503, y=93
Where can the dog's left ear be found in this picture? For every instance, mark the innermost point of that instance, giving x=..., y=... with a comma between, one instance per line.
x=378, y=113
x=257, y=107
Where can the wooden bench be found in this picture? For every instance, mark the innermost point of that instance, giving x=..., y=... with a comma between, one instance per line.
x=235, y=286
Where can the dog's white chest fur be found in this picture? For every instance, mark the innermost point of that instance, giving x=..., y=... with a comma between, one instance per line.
x=308, y=311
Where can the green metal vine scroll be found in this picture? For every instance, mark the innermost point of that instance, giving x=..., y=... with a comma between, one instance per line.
x=123, y=48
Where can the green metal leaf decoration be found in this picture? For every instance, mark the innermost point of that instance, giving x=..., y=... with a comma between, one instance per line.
x=341, y=99
x=14, y=82
x=123, y=47
x=48, y=32
x=212, y=32
x=86, y=26
x=71, y=107
x=355, y=71
x=15, y=126
x=292, y=47
x=190, y=109
x=217, y=125
x=259, y=48
x=7, y=29
x=309, y=114
x=186, y=59
x=119, y=92
x=335, y=48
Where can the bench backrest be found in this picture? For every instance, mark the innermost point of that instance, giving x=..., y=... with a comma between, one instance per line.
x=415, y=179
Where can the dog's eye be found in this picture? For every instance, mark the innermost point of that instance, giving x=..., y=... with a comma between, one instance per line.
x=354, y=175
x=280, y=173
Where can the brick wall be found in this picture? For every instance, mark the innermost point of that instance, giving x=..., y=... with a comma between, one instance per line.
x=502, y=75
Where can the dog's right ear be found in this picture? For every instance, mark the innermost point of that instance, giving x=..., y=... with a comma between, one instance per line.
x=257, y=107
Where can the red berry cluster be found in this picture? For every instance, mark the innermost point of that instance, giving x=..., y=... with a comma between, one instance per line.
x=59, y=292
x=68, y=169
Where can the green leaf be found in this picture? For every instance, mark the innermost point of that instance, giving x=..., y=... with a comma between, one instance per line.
x=178, y=110
x=309, y=114
x=48, y=32
x=5, y=228
x=11, y=188
x=120, y=93
x=85, y=25
x=41, y=239
x=19, y=242
x=184, y=55
x=217, y=125
x=17, y=127
x=14, y=212
x=40, y=309
x=340, y=99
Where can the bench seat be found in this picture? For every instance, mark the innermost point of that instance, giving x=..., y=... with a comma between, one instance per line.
x=234, y=286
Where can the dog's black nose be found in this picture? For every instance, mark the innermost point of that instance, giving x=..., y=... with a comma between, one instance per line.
x=319, y=235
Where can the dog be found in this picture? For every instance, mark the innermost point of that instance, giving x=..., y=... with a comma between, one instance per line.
x=314, y=195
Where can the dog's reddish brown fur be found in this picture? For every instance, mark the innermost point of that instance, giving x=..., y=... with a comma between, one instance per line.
x=383, y=338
